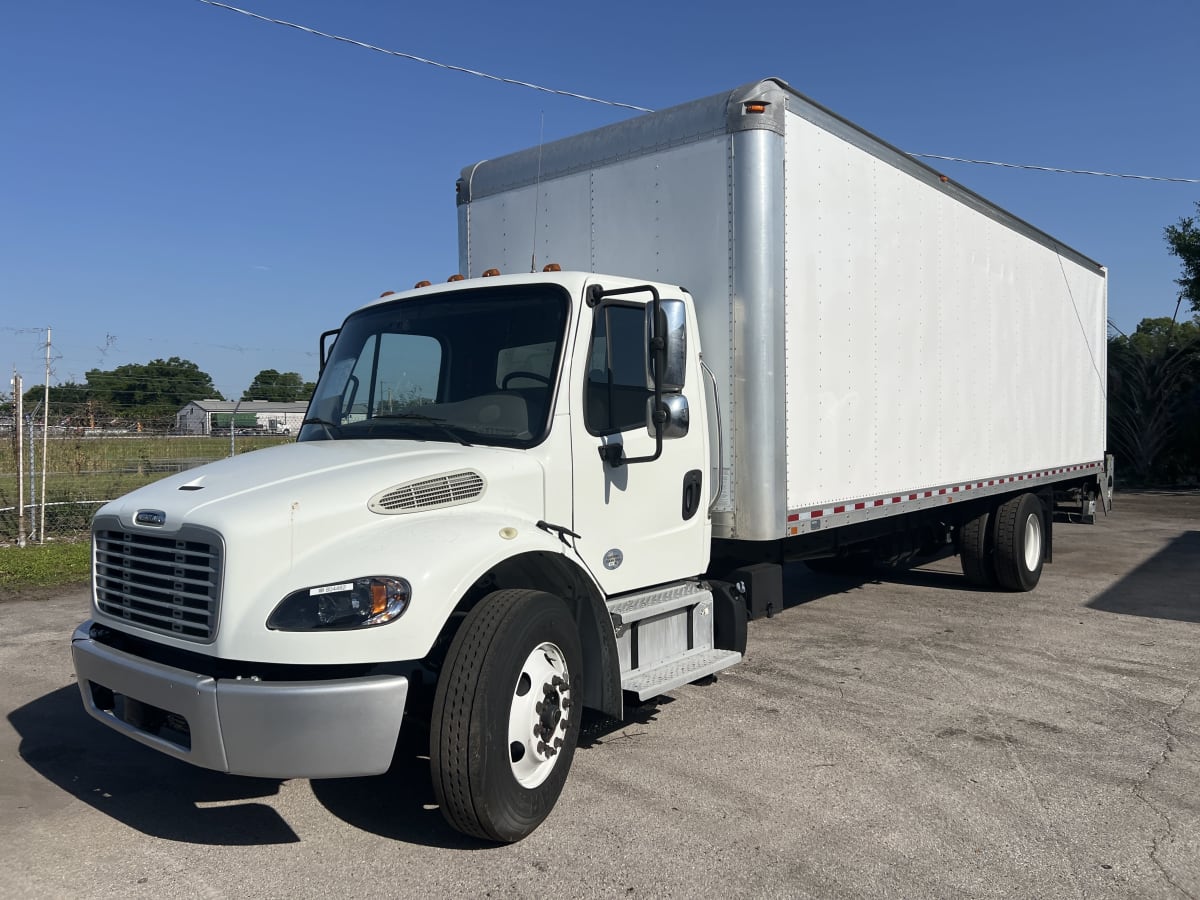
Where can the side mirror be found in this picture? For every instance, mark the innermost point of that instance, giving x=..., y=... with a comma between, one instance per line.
x=325, y=348
x=676, y=417
x=671, y=328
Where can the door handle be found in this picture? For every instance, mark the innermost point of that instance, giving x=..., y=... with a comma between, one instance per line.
x=693, y=481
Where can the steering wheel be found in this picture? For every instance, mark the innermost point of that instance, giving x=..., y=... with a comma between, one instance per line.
x=534, y=375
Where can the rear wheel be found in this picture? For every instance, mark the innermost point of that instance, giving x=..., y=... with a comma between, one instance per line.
x=975, y=550
x=506, y=715
x=1020, y=543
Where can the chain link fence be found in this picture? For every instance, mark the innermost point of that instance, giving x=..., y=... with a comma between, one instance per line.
x=85, y=469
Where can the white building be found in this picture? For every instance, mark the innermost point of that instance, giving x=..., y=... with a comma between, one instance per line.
x=254, y=416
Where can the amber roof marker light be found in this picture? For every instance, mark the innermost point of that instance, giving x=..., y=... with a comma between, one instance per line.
x=491, y=273
x=552, y=267
x=421, y=284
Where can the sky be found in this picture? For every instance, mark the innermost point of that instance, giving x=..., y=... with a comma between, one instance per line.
x=180, y=180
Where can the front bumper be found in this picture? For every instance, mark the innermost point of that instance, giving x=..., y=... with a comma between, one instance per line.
x=272, y=729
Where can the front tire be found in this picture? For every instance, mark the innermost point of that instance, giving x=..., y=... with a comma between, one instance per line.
x=1020, y=543
x=506, y=715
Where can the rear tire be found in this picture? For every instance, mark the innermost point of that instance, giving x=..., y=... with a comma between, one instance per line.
x=1020, y=543
x=506, y=715
x=975, y=550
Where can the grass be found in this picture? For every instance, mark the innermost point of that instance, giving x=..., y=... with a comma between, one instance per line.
x=83, y=472
x=44, y=565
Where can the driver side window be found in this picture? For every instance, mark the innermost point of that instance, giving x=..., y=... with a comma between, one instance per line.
x=615, y=396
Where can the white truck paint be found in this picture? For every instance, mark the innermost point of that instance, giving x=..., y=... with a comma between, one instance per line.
x=520, y=495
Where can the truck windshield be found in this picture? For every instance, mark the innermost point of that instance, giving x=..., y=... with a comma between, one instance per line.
x=468, y=367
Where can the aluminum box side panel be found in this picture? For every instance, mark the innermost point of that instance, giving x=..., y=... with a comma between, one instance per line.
x=664, y=217
x=928, y=342
x=524, y=229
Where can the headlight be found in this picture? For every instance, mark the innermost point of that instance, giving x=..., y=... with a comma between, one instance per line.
x=349, y=604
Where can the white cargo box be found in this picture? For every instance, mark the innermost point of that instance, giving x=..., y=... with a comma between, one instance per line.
x=883, y=339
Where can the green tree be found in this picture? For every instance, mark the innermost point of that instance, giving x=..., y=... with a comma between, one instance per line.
x=1184, y=240
x=1154, y=400
x=151, y=391
x=280, y=387
x=71, y=404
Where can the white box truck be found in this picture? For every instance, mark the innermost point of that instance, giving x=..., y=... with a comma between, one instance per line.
x=519, y=495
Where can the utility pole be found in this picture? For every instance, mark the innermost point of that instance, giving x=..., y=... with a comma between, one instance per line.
x=45, y=438
x=19, y=428
x=232, y=429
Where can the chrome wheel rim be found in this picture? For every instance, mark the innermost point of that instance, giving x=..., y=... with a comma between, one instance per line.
x=539, y=714
x=1033, y=541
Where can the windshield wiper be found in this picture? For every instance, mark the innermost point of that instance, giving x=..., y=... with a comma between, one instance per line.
x=440, y=424
x=324, y=423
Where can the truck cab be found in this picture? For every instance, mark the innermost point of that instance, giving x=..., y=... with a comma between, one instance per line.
x=495, y=514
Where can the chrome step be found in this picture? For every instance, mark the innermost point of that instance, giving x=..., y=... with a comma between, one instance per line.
x=634, y=608
x=684, y=670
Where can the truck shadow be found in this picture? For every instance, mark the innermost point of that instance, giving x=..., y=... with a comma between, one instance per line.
x=165, y=798
x=1166, y=586
x=802, y=585
x=400, y=804
x=139, y=787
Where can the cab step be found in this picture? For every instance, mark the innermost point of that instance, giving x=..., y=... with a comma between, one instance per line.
x=647, y=683
x=637, y=607
x=665, y=638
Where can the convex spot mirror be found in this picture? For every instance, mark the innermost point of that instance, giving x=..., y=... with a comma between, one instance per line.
x=672, y=328
x=677, y=417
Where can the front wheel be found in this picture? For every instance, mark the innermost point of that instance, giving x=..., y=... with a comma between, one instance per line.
x=1020, y=543
x=506, y=715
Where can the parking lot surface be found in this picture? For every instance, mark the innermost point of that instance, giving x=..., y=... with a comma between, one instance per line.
x=900, y=737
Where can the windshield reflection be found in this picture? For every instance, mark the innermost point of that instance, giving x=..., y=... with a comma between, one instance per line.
x=467, y=367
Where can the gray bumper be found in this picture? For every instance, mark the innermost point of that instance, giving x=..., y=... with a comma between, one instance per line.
x=282, y=729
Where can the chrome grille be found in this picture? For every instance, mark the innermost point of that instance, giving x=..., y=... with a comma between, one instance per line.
x=164, y=583
x=443, y=490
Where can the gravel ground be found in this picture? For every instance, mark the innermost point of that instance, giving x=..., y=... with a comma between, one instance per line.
x=907, y=737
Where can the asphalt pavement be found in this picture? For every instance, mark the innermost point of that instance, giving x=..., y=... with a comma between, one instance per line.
x=901, y=737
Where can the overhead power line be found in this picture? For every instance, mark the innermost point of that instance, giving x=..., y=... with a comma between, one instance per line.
x=574, y=96
x=1005, y=165
x=428, y=62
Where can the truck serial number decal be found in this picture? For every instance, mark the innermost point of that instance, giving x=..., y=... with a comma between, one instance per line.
x=331, y=589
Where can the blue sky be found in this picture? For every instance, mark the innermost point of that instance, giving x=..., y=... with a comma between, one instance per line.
x=180, y=180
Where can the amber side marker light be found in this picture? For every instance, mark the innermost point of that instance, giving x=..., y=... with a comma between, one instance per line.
x=753, y=106
x=455, y=277
x=491, y=272
x=552, y=267
x=421, y=284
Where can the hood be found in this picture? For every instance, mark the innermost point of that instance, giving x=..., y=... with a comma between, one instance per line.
x=329, y=479
x=321, y=512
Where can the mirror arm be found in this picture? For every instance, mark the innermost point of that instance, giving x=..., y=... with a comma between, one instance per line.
x=324, y=352
x=614, y=454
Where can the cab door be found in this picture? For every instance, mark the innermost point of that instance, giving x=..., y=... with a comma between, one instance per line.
x=639, y=523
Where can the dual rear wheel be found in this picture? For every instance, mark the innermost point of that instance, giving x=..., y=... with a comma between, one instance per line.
x=1005, y=546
